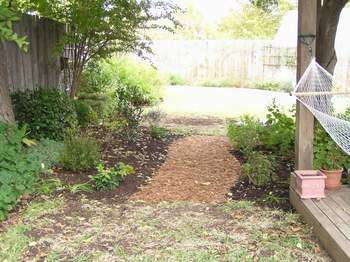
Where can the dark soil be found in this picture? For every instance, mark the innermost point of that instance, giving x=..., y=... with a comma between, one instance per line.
x=275, y=195
x=144, y=153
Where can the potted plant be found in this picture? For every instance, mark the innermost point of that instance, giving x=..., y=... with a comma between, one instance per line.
x=329, y=158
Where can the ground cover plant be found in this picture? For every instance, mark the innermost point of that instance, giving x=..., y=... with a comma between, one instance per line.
x=109, y=178
x=18, y=170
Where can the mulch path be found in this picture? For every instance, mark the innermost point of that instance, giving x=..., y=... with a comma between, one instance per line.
x=197, y=169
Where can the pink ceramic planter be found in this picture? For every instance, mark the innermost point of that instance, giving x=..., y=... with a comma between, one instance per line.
x=310, y=184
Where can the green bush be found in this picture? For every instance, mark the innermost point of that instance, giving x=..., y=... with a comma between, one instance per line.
x=246, y=135
x=158, y=132
x=79, y=152
x=18, y=170
x=46, y=152
x=259, y=169
x=176, y=80
x=279, y=134
x=46, y=112
x=94, y=79
x=85, y=114
x=139, y=76
x=101, y=104
x=107, y=179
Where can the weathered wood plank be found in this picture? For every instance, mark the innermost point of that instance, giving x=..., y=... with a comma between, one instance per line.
x=339, y=206
x=334, y=217
x=331, y=238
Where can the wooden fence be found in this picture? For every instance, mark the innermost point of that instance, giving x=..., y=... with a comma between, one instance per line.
x=241, y=61
x=40, y=66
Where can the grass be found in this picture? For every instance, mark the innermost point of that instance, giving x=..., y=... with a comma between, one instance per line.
x=86, y=230
x=220, y=102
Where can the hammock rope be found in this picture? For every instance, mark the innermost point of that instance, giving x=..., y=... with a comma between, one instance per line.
x=318, y=91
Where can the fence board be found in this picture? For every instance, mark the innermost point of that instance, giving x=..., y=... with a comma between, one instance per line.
x=40, y=66
x=246, y=61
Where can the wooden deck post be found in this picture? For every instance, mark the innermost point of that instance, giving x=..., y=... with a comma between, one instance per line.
x=307, y=27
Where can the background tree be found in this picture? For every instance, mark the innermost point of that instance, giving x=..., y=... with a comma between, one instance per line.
x=266, y=5
x=256, y=20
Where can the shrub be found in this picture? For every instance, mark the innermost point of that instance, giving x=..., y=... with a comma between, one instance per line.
x=139, y=76
x=101, y=104
x=259, y=169
x=94, y=79
x=129, y=109
x=46, y=112
x=46, y=152
x=247, y=135
x=279, y=135
x=85, y=114
x=79, y=152
x=158, y=132
x=18, y=170
x=107, y=179
x=176, y=80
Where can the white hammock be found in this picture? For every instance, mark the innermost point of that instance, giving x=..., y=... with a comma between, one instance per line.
x=327, y=102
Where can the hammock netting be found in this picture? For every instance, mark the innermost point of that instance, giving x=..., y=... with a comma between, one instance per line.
x=327, y=101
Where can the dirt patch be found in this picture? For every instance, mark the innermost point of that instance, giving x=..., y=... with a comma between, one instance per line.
x=197, y=169
x=144, y=153
x=202, y=125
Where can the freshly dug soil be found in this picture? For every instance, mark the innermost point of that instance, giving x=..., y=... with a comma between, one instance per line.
x=198, y=169
x=275, y=195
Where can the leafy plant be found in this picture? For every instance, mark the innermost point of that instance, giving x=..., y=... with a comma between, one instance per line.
x=279, y=135
x=246, y=135
x=95, y=78
x=76, y=188
x=46, y=152
x=47, y=186
x=79, y=152
x=259, y=169
x=109, y=178
x=101, y=104
x=158, y=132
x=47, y=112
x=327, y=154
x=18, y=171
x=85, y=114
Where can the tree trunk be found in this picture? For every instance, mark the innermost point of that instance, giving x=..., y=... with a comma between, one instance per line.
x=327, y=28
x=6, y=110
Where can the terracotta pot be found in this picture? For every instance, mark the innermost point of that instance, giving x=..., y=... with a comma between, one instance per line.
x=333, y=180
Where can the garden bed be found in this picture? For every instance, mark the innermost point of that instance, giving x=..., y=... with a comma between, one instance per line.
x=275, y=195
x=144, y=153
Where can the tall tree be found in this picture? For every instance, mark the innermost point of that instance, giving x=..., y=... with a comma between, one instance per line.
x=328, y=19
x=100, y=28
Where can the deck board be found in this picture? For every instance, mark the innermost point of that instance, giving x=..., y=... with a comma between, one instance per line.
x=330, y=219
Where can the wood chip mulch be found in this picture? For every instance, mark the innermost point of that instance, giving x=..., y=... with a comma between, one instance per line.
x=197, y=169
